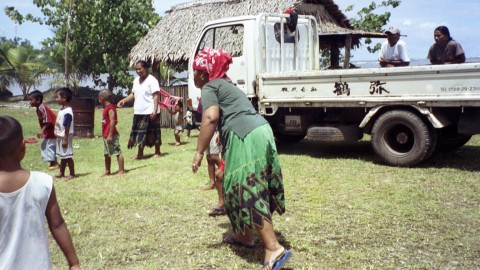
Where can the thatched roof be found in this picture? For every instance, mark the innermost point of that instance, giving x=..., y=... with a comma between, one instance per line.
x=172, y=40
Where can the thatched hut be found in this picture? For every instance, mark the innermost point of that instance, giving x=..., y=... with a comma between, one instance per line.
x=172, y=40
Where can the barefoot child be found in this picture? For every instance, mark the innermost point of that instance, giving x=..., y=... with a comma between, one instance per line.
x=64, y=132
x=26, y=198
x=111, y=138
x=178, y=112
x=216, y=175
x=46, y=119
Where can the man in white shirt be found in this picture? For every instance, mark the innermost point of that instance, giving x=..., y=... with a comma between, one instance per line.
x=394, y=52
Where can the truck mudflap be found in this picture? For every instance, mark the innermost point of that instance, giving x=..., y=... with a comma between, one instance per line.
x=469, y=122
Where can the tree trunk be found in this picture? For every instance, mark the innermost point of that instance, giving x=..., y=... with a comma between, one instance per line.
x=111, y=81
x=25, y=92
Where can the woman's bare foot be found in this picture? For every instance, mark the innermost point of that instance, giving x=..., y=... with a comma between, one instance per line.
x=70, y=177
x=208, y=186
x=59, y=176
x=106, y=174
x=156, y=155
x=120, y=172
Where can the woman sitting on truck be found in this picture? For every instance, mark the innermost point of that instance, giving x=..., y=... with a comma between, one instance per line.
x=253, y=184
x=445, y=50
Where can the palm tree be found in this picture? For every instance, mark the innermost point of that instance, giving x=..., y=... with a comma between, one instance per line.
x=29, y=67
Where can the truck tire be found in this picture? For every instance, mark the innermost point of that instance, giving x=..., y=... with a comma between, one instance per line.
x=338, y=133
x=402, y=138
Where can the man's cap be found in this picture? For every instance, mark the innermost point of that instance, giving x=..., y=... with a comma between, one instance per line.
x=393, y=31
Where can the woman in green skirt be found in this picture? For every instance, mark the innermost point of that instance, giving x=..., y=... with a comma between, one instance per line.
x=253, y=184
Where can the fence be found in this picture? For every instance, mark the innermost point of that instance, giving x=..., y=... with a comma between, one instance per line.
x=167, y=119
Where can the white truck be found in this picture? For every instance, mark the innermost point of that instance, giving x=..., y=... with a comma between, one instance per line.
x=410, y=112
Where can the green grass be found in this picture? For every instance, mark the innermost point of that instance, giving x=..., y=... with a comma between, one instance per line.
x=344, y=209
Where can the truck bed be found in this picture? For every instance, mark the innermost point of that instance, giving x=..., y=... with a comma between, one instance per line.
x=431, y=85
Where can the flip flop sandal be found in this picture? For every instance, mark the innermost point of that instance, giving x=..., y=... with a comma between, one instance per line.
x=230, y=239
x=279, y=261
x=216, y=211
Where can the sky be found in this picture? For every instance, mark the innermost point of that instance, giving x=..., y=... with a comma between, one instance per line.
x=415, y=18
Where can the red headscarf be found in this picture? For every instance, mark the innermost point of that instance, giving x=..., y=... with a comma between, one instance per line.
x=214, y=62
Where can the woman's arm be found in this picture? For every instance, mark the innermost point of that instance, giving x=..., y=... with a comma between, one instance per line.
x=459, y=59
x=122, y=102
x=155, y=105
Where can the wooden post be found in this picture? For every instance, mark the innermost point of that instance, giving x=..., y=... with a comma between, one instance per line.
x=156, y=71
x=334, y=54
x=348, y=46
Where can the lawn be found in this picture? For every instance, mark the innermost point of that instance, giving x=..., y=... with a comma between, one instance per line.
x=344, y=209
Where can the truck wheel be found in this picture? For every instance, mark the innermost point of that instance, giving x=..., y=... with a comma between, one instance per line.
x=402, y=138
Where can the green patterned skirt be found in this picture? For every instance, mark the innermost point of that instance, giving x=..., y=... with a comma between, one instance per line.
x=253, y=184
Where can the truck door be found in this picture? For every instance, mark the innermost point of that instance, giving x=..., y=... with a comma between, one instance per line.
x=229, y=38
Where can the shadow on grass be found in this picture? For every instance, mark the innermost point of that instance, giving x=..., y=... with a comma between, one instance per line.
x=357, y=150
x=77, y=175
x=464, y=158
x=134, y=168
x=251, y=255
x=151, y=156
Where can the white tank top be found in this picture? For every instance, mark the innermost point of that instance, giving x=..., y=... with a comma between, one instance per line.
x=23, y=237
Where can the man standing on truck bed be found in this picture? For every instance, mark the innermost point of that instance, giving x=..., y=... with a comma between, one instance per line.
x=394, y=52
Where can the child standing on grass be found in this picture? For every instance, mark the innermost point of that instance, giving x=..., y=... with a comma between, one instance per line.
x=215, y=175
x=46, y=119
x=111, y=137
x=26, y=198
x=178, y=112
x=64, y=132
x=189, y=119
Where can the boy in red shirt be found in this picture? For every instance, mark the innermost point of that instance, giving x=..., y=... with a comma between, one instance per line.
x=111, y=137
x=46, y=119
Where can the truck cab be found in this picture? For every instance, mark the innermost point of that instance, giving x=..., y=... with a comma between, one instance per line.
x=259, y=44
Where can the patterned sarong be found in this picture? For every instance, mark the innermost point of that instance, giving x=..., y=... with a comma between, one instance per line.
x=253, y=183
x=145, y=132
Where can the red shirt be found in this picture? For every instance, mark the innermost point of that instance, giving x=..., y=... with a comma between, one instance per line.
x=106, y=121
x=46, y=116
